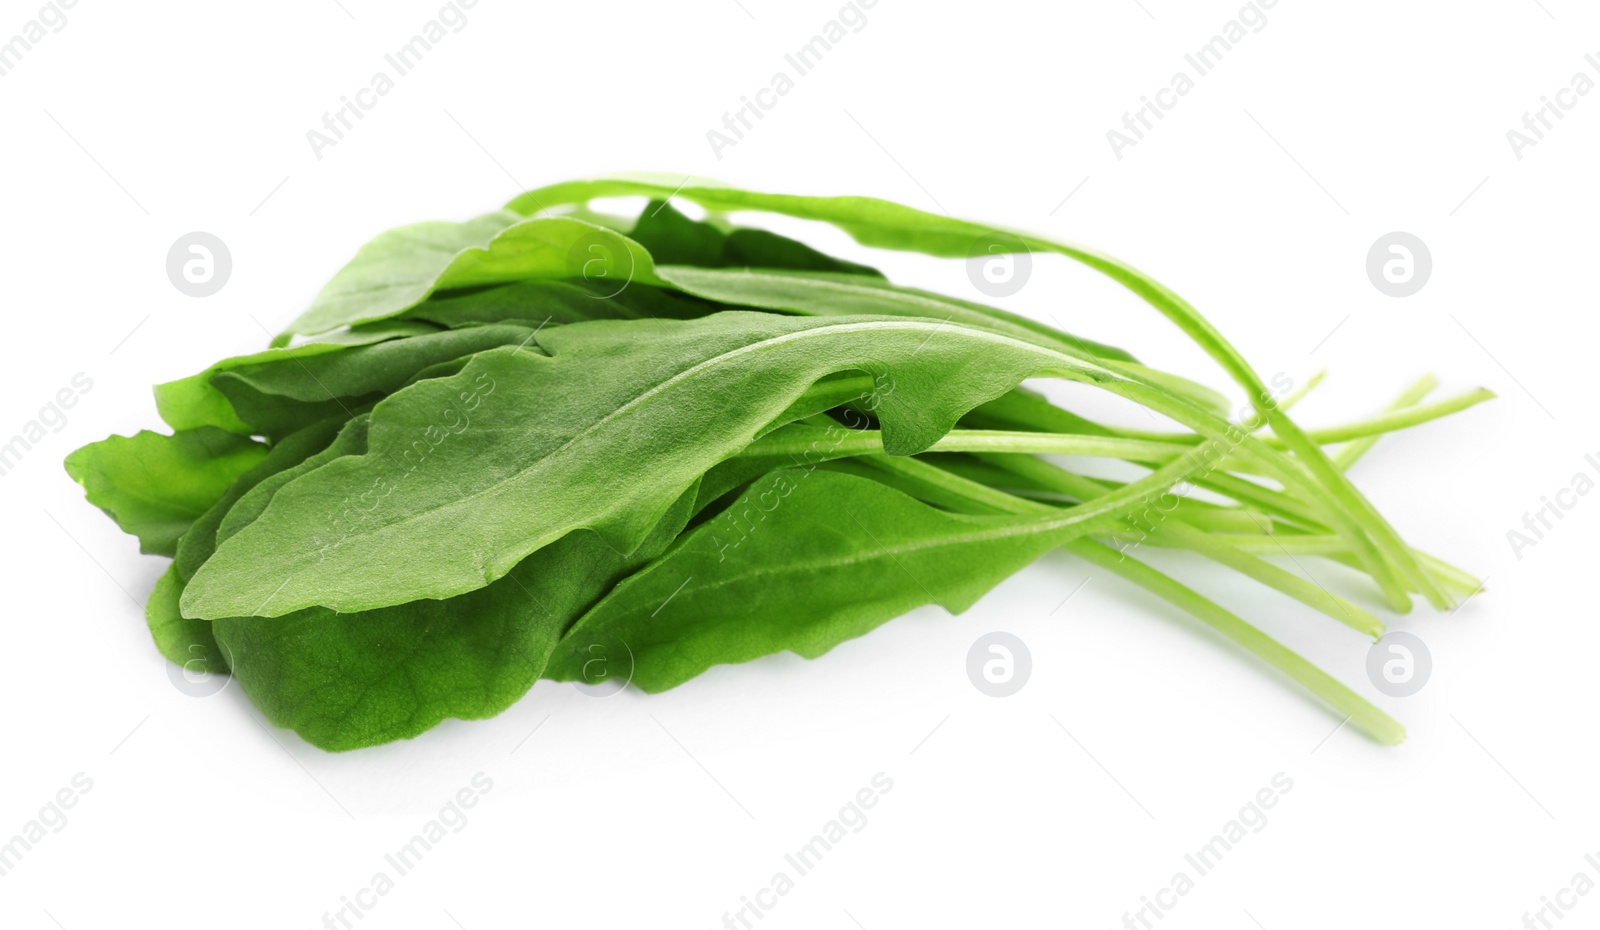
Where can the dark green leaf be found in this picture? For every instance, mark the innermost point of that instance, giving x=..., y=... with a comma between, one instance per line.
x=344, y=681
x=674, y=239
x=802, y=561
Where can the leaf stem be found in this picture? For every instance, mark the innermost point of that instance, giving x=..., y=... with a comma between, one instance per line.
x=1362, y=713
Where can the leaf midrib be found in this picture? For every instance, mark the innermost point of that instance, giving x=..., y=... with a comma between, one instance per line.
x=1054, y=522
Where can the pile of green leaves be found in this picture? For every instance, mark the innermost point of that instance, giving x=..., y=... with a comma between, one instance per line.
x=550, y=442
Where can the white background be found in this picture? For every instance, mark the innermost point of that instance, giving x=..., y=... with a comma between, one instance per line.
x=1138, y=735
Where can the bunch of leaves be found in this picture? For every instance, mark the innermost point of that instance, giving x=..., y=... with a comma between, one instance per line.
x=552, y=442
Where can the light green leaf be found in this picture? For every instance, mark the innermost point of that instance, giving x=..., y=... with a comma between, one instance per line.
x=155, y=485
x=397, y=269
x=394, y=273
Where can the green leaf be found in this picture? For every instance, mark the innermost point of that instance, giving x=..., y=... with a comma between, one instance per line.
x=184, y=642
x=801, y=561
x=201, y=539
x=401, y=268
x=673, y=239
x=542, y=302
x=889, y=225
x=344, y=681
x=823, y=294
x=279, y=396
x=563, y=247
x=467, y=482
x=351, y=440
x=192, y=402
x=155, y=485
x=397, y=269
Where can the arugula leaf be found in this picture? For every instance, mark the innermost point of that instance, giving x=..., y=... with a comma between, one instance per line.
x=154, y=486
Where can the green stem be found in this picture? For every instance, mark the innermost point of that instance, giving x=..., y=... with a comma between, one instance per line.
x=961, y=440
x=1366, y=717
x=1343, y=508
x=1367, y=431
x=1362, y=713
x=1218, y=550
x=1351, y=452
x=1353, y=507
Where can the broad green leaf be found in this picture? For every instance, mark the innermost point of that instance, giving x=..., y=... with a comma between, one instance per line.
x=344, y=681
x=471, y=473
x=391, y=275
x=802, y=561
x=397, y=269
x=192, y=402
x=351, y=440
x=155, y=485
